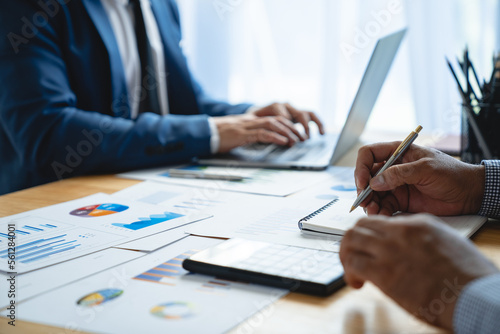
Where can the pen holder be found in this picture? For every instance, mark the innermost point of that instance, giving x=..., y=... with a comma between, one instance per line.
x=487, y=118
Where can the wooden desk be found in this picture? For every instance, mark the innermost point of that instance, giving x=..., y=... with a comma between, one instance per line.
x=347, y=311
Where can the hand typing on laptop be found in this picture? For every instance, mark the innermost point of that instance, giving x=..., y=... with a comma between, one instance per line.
x=273, y=124
x=292, y=114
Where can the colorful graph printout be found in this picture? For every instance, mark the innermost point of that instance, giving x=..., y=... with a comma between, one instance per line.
x=99, y=297
x=174, y=310
x=99, y=210
x=166, y=272
x=150, y=221
x=64, y=231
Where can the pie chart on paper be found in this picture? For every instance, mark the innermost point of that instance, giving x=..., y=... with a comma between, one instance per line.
x=99, y=297
x=99, y=210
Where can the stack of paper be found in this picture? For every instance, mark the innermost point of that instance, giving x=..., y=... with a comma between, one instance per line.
x=65, y=231
x=152, y=294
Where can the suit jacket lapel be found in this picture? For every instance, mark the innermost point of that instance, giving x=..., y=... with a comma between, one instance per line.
x=98, y=15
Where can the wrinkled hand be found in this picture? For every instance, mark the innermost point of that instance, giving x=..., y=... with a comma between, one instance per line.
x=246, y=129
x=290, y=113
x=416, y=260
x=426, y=180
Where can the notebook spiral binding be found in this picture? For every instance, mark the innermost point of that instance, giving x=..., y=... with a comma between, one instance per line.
x=317, y=212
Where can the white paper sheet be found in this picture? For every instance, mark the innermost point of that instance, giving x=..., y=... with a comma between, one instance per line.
x=155, y=241
x=162, y=299
x=261, y=181
x=190, y=200
x=280, y=225
x=68, y=230
x=40, y=281
x=224, y=206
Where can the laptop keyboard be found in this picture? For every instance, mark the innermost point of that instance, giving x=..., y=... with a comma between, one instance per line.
x=259, y=151
x=272, y=152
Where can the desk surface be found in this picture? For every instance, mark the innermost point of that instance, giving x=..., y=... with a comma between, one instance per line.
x=347, y=311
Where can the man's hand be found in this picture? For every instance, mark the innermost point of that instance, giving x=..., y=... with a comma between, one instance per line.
x=285, y=110
x=426, y=180
x=244, y=129
x=418, y=261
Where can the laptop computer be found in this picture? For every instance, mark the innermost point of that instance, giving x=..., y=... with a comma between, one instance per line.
x=319, y=152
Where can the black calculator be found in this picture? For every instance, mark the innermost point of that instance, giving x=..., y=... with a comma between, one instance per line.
x=297, y=269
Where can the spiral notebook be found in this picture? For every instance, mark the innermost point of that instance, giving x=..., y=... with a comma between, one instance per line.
x=334, y=218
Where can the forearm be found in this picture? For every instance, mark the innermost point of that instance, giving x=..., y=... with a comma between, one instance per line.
x=115, y=144
x=46, y=146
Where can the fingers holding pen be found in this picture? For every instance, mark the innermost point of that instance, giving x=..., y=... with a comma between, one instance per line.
x=370, y=156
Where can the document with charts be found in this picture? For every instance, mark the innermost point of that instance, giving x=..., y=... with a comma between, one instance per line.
x=152, y=294
x=222, y=205
x=68, y=230
x=42, y=280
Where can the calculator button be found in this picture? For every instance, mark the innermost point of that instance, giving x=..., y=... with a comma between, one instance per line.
x=287, y=252
x=273, y=271
x=282, y=265
x=278, y=247
x=259, y=255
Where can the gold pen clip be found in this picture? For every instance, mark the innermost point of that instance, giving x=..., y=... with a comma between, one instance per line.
x=407, y=139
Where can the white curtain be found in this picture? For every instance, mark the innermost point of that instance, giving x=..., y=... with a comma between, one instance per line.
x=312, y=53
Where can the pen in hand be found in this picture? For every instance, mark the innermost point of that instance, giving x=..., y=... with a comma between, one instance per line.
x=395, y=156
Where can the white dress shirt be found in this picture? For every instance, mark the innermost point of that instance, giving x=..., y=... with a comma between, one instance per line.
x=121, y=17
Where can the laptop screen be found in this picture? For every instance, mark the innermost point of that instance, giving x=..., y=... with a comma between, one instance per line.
x=368, y=91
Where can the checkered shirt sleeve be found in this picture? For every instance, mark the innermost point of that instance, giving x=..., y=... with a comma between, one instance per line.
x=491, y=200
x=478, y=307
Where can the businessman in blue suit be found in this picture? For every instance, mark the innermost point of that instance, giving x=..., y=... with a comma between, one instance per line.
x=68, y=104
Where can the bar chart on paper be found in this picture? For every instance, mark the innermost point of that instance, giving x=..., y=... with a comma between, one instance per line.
x=61, y=232
x=39, y=241
x=168, y=273
x=144, y=222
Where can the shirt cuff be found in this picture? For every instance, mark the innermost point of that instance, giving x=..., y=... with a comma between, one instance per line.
x=252, y=109
x=490, y=207
x=214, y=136
x=478, y=306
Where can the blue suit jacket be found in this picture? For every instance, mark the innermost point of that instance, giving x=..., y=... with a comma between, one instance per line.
x=63, y=97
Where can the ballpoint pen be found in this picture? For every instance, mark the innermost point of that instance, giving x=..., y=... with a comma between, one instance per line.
x=395, y=156
x=195, y=174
